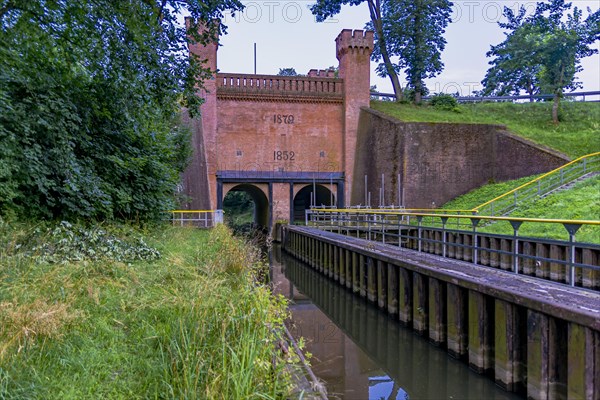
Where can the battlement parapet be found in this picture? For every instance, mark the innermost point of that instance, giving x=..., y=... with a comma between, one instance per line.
x=269, y=86
x=349, y=40
x=321, y=73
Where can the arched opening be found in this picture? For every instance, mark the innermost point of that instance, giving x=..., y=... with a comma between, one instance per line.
x=324, y=197
x=246, y=204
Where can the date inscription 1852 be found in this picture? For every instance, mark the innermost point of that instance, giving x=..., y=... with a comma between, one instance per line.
x=279, y=155
x=283, y=118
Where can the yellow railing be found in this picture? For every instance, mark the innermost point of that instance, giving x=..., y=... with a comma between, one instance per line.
x=409, y=213
x=589, y=163
x=424, y=231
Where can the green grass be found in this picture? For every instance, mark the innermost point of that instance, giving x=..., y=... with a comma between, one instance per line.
x=578, y=133
x=194, y=324
x=485, y=193
x=582, y=202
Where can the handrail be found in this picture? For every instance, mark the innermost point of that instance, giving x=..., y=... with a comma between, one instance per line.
x=501, y=98
x=458, y=216
x=557, y=170
x=199, y=218
x=401, y=227
x=193, y=211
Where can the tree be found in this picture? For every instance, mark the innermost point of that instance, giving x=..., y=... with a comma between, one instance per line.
x=510, y=75
x=414, y=32
x=90, y=92
x=547, y=46
x=287, y=72
x=324, y=9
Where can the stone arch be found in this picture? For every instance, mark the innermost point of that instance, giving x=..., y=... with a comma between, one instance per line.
x=325, y=197
x=260, y=199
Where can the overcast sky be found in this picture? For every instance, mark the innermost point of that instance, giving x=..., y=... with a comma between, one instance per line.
x=287, y=35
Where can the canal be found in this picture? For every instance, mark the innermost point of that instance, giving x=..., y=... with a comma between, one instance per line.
x=359, y=352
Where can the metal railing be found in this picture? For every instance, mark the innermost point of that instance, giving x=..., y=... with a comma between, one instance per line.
x=197, y=218
x=475, y=99
x=540, y=186
x=429, y=232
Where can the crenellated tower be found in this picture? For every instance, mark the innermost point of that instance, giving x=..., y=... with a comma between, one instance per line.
x=199, y=182
x=287, y=141
x=353, y=50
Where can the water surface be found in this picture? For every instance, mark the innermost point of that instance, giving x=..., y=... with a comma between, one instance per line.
x=362, y=353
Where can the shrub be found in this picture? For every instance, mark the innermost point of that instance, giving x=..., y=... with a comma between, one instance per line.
x=443, y=101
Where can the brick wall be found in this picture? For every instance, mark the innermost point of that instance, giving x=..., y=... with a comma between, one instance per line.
x=437, y=162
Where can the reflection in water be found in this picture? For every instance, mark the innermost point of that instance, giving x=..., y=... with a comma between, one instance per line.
x=362, y=353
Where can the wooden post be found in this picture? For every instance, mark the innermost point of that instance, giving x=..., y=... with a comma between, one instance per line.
x=481, y=327
x=437, y=311
x=457, y=321
x=392, y=289
x=342, y=266
x=509, y=346
x=420, y=306
x=583, y=357
x=355, y=272
x=405, y=296
x=371, y=280
x=590, y=277
x=546, y=357
x=381, y=284
x=348, y=269
x=484, y=255
x=362, y=271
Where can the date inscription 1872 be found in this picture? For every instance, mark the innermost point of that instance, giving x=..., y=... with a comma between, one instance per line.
x=283, y=119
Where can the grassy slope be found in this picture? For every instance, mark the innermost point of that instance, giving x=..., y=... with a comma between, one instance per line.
x=578, y=134
x=580, y=202
x=487, y=192
x=191, y=324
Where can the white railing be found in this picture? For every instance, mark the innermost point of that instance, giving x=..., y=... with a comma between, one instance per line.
x=197, y=218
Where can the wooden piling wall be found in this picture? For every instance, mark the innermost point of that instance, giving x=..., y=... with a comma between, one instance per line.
x=532, y=336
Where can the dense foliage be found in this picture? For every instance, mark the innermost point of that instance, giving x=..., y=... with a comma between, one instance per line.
x=442, y=101
x=287, y=72
x=90, y=93
x=542, y=52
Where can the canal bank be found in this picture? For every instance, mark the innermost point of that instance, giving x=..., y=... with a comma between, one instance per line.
x=362, y=353
x=528, y=334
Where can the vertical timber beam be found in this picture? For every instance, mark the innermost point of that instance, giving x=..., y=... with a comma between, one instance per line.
x=437, y=311
x=546, y=357
x=348, y=269
x=392, y=289
x=509, y=347
x=457, y=321
x=356, y=272
x=381, y=284
x=405, y=296
x=420, y=306
x=481, y=327
x=342, y=266
x=371, y=280
x=362, y=275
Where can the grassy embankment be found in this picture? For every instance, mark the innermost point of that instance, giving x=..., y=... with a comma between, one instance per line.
x=580, y=202
x=577, y=135
x=86, y=313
